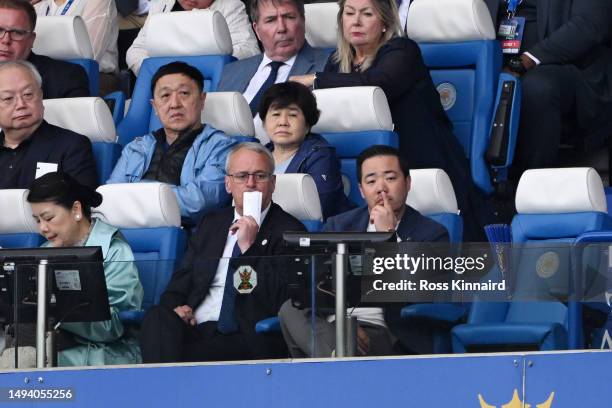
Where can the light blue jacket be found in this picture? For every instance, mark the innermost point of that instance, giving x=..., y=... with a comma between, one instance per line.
x=107, y=342
x=202, y=177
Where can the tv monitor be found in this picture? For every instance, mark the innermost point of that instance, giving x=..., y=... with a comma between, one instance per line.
x=76, y=284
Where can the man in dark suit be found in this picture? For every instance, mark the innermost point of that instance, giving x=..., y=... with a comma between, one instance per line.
x=384, y=182
x=565, y=64
x=280, y=26
x=32, y=147
x=211, y=305
x=60, y=79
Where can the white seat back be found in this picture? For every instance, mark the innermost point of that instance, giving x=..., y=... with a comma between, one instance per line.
x=558, y=191
x=352, y=109
x=432, y=192
x=62, y=37
x=297, y=194
x=228, y=112
x=449, y=21
x=185, y=33
x=322, y=24
x=16, y=212
x=139, y=205
x=88, y=116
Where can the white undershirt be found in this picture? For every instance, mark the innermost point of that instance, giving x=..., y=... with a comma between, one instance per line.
x=263, y=71
x=210, y=308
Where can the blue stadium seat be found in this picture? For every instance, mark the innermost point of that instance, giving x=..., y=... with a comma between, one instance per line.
x=17, y=226
x=465, y=61
x=91, y=117
x=149, y=218
x=322, y=25
x=554, y=207
x=200, y=38
x=432, y=194
x=353, y=119
x=66, y=38
x=297, y=194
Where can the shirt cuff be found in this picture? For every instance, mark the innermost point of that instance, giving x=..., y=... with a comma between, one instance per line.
x=531, y=57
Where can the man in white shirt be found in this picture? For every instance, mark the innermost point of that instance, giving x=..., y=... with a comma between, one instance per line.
x=232, y=275
x=243, y=40
x=280, y=26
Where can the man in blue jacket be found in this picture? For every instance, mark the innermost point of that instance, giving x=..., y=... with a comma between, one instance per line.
x=184, y=152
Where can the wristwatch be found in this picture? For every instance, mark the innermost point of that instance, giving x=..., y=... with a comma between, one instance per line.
x=515, y=64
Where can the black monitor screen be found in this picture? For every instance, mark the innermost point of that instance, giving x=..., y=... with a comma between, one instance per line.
x=76, y=285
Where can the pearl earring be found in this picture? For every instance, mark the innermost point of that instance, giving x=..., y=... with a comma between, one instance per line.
x=77, y=217
x=384, y=30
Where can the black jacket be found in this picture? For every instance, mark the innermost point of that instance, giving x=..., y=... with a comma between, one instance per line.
x=60, y=79
x=190, y=284
x=71, y=151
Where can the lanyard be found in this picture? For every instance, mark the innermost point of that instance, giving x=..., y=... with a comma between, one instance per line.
x=512, y=5
x=64, y=11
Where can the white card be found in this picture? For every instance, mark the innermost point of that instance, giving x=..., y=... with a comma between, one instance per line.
x=251, y=205
x=43, y=168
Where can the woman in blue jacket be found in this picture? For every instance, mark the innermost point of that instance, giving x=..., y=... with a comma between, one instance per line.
x=289, y=111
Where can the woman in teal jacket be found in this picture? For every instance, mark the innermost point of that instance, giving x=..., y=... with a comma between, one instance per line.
x=62, y=209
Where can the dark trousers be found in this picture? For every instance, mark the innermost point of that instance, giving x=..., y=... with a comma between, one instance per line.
x=552, y=93
x=165, y=338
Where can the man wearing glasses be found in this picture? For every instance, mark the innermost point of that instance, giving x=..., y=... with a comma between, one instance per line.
x=183, y=152
x=60, y=79
x=210, y=307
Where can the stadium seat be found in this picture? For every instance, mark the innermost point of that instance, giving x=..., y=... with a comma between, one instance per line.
x=297, y=194
x=150, y=220
x=66, y=38
x=200, y=38
x=353, y=119
x=230, y=113
x=17, y=226
x=322, y=25
x=432, y=194
x=554, y=207
x=457, y=40
x=92, y=118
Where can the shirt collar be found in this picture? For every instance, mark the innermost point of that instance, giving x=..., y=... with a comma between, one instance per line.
x=266, y=60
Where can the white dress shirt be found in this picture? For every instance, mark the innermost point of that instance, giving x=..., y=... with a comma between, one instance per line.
x=403, y=13
x=244, y=42
x=262, y=73
x=210, y=308
x=100, y=17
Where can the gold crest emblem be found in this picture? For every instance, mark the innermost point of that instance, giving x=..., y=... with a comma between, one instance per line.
x=516, y=402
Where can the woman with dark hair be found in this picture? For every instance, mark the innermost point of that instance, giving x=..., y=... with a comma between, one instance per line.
x=372, y=51
x=288, y=111
x=62, y=209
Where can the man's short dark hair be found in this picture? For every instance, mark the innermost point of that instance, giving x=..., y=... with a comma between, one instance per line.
x=381, y=150
x=299, y=4
x=283, y=94
x=177, y=67
x=22, y=5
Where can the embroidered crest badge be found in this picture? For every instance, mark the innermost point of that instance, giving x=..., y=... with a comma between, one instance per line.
x=245, y=279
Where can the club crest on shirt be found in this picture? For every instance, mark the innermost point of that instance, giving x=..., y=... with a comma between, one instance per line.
x=245, y=279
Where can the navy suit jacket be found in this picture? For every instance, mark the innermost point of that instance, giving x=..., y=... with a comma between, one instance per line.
x=237, y=75
x=412, y=227
x=573, y=32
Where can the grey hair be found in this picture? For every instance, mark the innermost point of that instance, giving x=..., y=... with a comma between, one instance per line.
x=345, y=53
x=254, y=147
x=23, y=65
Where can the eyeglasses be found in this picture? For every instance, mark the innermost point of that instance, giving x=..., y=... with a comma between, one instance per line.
x=243, y=176
x=15, y=35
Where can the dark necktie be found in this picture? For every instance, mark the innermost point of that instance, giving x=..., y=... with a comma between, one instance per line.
x=274, y=66
x=227, y=319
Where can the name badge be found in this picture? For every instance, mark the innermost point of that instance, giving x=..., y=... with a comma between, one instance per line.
x=510, y=34
x=43, y=168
